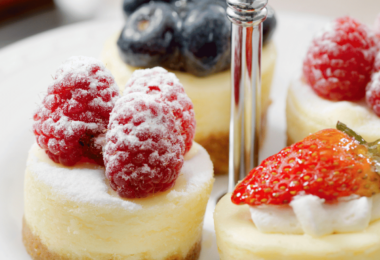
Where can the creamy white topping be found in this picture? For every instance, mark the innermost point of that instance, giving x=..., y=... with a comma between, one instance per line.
x=87, y=184
x=308, y=214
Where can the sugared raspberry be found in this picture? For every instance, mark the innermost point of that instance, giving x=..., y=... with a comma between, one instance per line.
x=144, y=150
x=376, y=66
x=165, y=86
x=339, y=61
x=76, y=111
x=373, y=93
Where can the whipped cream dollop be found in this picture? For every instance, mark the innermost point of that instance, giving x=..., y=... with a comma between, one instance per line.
x=308, y=214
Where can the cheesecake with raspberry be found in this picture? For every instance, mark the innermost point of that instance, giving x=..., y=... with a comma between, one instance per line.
x=193, y=40
x=114, y=177
x=339, y=82
x=317, y=199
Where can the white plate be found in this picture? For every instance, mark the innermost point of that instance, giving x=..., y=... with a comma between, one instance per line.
x=25, y=69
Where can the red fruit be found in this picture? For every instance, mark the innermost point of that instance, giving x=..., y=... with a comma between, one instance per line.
x=76, y=111
x=329, y=164
x=165, y=86
x=144, y=150
x=373, y=93
x=376, y=66
x=339, y=62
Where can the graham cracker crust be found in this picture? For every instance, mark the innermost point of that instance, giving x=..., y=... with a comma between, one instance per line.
x=289, y=140
x=217, y=146
x=38, y=251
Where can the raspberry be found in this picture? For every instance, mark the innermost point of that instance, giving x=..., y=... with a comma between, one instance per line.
x=376, y=66
x=166, y=87
x=144, y=150
x=339, y=62
x=373, y=93
x=76, y=111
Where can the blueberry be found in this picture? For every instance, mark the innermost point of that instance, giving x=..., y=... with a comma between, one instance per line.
x=183, y=7
x=129, y=6
x=223, y=3
x=206, y=40
x=150, y=35
x=269, y=25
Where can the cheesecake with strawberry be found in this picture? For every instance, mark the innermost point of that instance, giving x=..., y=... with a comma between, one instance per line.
x=317, y=199
x=339, y=82
x=115, y=177
x=192, y=38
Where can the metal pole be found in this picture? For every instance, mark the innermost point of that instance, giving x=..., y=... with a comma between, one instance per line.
x=246, y=17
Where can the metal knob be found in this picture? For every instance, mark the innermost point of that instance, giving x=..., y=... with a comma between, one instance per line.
x=246, y=17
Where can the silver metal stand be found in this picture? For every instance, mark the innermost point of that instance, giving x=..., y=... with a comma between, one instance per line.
x=246, y=17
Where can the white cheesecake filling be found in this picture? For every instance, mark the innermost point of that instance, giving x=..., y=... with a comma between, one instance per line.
x=308, y=214
x=307, y=113
x=73, y=211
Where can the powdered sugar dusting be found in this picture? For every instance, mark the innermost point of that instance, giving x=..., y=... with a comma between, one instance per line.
x=376, y=66
x=373, y=93
x=144, y=150
x=75, y=110
x=88, y=184
x=81, y=66
x=166, y=86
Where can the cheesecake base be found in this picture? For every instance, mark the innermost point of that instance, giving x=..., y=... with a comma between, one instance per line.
x=289, y=140
x=217, y=146
x=39, y=251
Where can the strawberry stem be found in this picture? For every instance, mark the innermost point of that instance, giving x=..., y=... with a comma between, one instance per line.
x=348, y=131
x=373, y=147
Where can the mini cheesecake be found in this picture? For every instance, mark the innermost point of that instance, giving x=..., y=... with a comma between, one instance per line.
x=238, y=238
x=211, y=98
x=318, y=199
x=335, y=83
x=72, y=213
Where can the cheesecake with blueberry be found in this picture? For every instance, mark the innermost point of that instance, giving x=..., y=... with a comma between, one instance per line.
x=115, y=177
x=192, y=39
x=318, y=199
x=339, y=81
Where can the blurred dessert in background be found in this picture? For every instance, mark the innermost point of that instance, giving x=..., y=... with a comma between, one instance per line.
x=193, y=39
x=340, y=82
x=15, y=8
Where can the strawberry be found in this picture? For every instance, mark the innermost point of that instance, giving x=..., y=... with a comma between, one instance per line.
x=329, y=164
